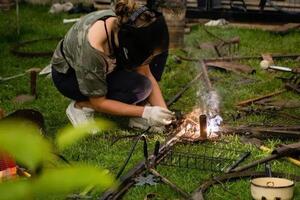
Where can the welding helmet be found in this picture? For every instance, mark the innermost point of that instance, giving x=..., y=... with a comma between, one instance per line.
x=137, y=44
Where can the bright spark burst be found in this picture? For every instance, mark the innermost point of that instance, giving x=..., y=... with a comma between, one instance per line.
x=213, y=126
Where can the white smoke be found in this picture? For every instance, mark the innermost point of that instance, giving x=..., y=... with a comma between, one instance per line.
x=211, y=101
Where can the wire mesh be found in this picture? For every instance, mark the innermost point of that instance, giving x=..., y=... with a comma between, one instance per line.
x=203, y=157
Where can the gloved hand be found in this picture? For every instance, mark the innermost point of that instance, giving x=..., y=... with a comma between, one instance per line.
x=157, y=116
x=141, y=123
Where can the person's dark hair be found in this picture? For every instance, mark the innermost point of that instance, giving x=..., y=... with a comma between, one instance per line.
x=143, y=33
x=125, y=8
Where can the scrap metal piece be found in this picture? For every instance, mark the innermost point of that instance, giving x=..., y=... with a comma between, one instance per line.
x=262, y=132
x=293, y=83
x=295, y=88
x=33, y=81
x=231, y=66
x=279, y=103
x=223, y=47
x=146, y=180
x=2, y=79
x=286, y=28
x=252, y=100
x=203, y=127
x=284, y=151
x=259, y=144
x=232, y=58
x=238, y=161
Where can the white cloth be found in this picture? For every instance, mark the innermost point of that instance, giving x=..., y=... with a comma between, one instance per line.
x=218, y=22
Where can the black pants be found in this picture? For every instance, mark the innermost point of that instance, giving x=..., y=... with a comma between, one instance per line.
x=125, y=86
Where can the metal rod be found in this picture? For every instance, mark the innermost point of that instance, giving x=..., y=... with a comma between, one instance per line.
x=229, y=58
x=249, y=101
x=203, y=126
x=33, y=77
x=185, y=88
x=205, y=75
x=235, y=164
x=257, y=162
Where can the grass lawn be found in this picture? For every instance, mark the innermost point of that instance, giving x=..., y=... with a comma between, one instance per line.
x=36, y=23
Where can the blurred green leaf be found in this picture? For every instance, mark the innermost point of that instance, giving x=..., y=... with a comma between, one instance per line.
x=69, y=135
x=15, y=190
x=23, y=141
x=66, y=180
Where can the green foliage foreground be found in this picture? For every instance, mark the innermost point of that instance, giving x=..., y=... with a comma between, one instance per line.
x=24, y=142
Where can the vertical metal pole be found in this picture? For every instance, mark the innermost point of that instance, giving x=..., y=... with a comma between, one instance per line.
x=203, y=126
x=33, y=77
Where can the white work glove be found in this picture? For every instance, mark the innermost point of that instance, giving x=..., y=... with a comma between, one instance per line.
x=157, y=116
x=141, y=123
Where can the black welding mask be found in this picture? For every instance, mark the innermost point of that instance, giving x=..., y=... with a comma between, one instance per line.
x=138, y=44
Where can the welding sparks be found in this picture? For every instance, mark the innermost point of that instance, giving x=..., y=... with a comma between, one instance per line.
x=213, y=126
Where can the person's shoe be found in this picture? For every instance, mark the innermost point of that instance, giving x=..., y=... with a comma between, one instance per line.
x=81, y=116
x=141, y=123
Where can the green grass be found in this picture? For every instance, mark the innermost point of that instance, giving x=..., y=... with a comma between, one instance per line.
x=37, y=23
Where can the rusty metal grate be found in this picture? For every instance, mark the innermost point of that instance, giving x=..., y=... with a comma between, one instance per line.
x=206, y=158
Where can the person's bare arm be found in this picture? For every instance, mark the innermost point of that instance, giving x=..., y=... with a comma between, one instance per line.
x=155, y=98
x=102, y=104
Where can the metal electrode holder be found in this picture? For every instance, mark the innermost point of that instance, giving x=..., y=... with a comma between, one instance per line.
x=203, y=127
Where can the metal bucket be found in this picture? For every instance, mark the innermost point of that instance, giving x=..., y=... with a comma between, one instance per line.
x=269, y=188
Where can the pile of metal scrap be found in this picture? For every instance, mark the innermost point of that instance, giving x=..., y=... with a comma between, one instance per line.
x=283, y=132
x=223, y=47
x=187, y=127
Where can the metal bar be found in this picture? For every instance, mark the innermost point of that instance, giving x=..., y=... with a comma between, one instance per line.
x=231, y=58
x=203, y=126
x=257, y=162
x=185, y=88
x=252, y=100
x=235, y=164
x=263, y=132
x=11, y=77
x=33, y=77
x=205, y=75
